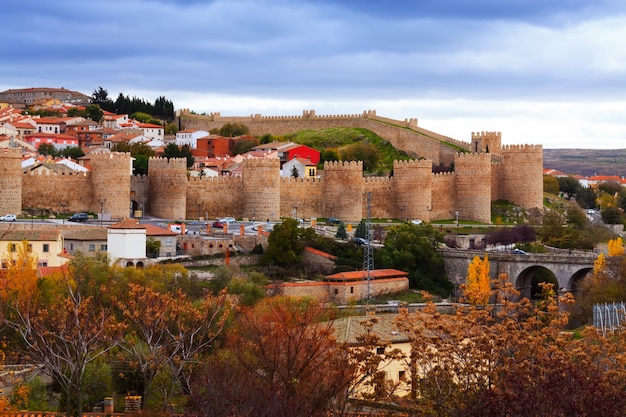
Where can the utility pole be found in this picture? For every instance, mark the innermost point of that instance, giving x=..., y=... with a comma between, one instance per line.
x=368, y=256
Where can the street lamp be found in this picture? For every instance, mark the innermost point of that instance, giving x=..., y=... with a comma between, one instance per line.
x=102, y=210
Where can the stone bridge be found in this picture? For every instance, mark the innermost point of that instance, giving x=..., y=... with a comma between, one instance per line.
x=563, y=268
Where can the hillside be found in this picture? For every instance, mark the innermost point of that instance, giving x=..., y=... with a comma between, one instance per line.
x=586, y=162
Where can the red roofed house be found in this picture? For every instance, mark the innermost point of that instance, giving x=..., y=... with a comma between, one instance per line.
x=346, y=287
x=152, y=131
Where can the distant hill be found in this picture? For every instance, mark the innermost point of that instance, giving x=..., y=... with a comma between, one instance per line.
x=587, y=162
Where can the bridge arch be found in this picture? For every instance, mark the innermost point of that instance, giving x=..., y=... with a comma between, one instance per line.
x=528, y=281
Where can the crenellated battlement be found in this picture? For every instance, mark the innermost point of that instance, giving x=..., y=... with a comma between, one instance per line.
x=444, y=174
x=347, y=165
x=41, y=173
x=377, y=180
x=472, y=156
x=487, y=135
x=420, y=163
x=522, y=148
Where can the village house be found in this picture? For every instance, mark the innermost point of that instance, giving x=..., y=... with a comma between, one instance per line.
x=303, y=167
x=46, y=245
x=190, y=137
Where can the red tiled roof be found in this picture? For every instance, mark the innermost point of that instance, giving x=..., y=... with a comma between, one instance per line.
x=361, y=275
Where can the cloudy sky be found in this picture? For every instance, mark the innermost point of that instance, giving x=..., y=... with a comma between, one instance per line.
x=549, y=72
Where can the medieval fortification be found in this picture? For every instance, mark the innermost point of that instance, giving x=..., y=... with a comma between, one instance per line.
x=484, y=171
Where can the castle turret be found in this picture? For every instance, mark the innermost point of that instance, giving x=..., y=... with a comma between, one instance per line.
x=11, y=181
x=473, y=186
x=343, y=190
x=110, y=183
x=521, y=182
x=487, y=142
x=168, y=187
x=413, y=189
x=261, y=188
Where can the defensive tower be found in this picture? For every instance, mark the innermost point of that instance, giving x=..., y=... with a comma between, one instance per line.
x=487, y=142
x=168, y=187
x=110, y=183
x=521, y=182
x=261, y=188
x=413, y=188
x=343, y=190
x=473, y=186
x=11, y=181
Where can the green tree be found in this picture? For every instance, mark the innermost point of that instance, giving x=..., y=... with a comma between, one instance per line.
x=568, y=186
x=94, y=112
x=294, y=172
x=284, y=247
x=341, y=231
x=100, y=97
x=550, y=185
x=73, y=152
x=142, y=117
x=362, y=151
x=586, y=197
x=243, y=145
x=414, y=249
x=47, y=149
x=234, y=129
x=329, y=155
x=361, y=230
x=611, y=215
x=171, y=129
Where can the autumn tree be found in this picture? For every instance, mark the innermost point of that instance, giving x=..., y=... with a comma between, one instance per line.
x=616, y=247
x=167, y=335
x=64, y=324
x=477, y=288
x=282, y=360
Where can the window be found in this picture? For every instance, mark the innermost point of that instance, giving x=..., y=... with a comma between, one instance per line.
x=311, y=172
x=380, y=350
x=401, y=375
x=351, y=290
x=46, y=247
x=42, y=263
x=103, y=247
x=168, y=242
x=71, y=246
x=92, y=247
x=336, y=291
x=12, y=247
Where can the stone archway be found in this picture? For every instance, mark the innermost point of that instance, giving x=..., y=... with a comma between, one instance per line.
x=529, y=280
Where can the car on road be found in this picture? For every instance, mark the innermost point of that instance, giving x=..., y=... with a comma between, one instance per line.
x=360, y=241
x=78, y=217
x=8, y=218
x=519, y=252
x=227, y=220
x=333, y=220
x=416, y=221
x=218, y=224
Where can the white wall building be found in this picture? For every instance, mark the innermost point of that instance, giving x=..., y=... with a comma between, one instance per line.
x=190, y=137
x=126, y=243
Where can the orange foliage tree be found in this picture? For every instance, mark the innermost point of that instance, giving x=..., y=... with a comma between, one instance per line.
x=281, y=360
x=61, y=323
x=501, y=359
x=616, y=247
x=477, y=288
x=168, y=333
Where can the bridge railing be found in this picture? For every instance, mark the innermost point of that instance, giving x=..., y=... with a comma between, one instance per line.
x=609, y=317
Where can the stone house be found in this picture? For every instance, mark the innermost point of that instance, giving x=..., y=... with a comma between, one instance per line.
x=304, y=167
x=88, y=240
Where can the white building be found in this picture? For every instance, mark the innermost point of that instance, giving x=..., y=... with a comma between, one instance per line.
x=190, y=137
x=126, y=243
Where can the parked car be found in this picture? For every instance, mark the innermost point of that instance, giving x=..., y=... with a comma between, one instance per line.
x=416, y=221
x=218, y=224
x=78, y=217
x=519, y=252
x=360, y=241
x=227, y=220
x=333, y=220
x=8, y=218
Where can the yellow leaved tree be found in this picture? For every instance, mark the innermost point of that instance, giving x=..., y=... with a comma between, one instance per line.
x=478, y=284
x=616, y=247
